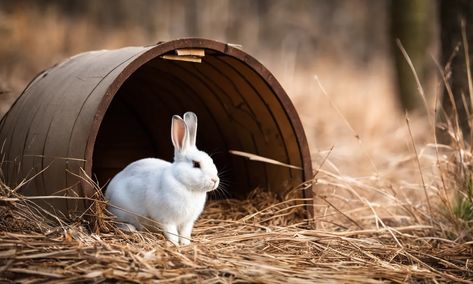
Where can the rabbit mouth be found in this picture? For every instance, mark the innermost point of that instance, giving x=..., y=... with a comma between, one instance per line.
x=207, y=187
x=210, y=184
x=215, y=182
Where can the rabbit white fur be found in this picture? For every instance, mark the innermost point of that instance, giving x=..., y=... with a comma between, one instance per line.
x=153, y=192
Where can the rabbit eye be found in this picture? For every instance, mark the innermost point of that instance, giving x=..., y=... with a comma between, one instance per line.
x=196, y=164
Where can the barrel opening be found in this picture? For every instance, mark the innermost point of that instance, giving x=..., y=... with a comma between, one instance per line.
x=236, y=108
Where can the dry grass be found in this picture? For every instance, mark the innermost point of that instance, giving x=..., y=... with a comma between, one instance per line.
x=261, y=239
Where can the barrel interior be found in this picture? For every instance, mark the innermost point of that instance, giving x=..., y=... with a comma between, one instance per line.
x=237, y=110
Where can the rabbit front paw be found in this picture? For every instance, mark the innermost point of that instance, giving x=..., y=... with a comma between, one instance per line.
x=170, y=232
x=185, y=233
x=184, y=241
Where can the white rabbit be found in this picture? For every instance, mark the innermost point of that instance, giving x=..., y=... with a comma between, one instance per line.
x=171, y=194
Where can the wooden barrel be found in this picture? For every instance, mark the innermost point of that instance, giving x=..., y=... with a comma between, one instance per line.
x=96, y=112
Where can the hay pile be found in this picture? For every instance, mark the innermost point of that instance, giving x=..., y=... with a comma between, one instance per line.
x=261, y=239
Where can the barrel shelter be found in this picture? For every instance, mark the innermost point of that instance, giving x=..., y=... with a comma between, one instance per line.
x=86, y=118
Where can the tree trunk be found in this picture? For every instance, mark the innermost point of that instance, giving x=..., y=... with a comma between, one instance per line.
x=452, y=13
x=411, y=23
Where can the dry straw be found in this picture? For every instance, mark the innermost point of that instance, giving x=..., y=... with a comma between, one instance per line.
x=262, y=239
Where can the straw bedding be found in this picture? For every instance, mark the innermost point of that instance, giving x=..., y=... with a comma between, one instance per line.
x=262, y=239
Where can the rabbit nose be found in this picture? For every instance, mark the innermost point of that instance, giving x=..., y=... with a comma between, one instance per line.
x=215, y=181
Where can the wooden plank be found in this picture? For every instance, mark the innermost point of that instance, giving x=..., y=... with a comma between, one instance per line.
x=193, y=59
x=190, y=52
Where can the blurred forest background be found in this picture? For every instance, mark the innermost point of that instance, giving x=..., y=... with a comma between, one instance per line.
x=348, y=44
x=284, y=35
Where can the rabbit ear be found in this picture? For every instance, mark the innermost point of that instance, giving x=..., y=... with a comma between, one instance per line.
x=178, y=133
x=191, y=121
